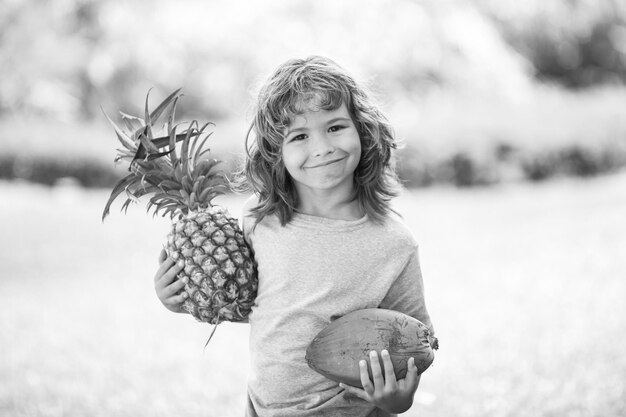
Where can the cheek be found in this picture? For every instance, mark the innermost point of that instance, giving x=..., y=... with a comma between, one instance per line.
x=357, y=152
x=289, y=162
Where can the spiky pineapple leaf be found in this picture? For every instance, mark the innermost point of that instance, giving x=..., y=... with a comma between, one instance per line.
x=201, y=149
x=150, y=120
x=132, y=123
x=208, y=195
x=159, y=143
x=178, y=171
x=205, y=166
x=176, y=180
x=146, y=139
x=118, y=189
x=184, y=153
x=147, y=119
x=126, y=204
x=169, y=210
x=156, y=113
x=169, y=185
x=121, y=135
x=196, y=141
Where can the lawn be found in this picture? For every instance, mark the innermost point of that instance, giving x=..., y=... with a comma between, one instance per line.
x=525, y=283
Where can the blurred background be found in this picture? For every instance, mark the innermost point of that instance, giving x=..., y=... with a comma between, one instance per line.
x=480, y=91
x=512, y=120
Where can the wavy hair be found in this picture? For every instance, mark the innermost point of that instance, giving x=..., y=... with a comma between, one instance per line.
x=292, y=89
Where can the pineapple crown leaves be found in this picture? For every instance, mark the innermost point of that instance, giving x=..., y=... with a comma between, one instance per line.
x=177, y=180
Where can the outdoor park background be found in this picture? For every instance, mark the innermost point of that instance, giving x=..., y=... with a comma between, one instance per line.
x=512, y=118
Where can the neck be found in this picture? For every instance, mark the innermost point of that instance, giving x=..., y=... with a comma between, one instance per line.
x=332, y=208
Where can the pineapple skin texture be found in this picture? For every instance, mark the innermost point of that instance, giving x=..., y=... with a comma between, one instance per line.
x=221, y=273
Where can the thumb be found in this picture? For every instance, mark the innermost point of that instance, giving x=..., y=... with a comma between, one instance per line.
x=354, y=391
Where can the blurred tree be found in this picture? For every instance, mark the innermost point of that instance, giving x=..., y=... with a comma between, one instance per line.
x=576, y=43
x=68, y=57
x=87, y=53
x=44, y=48
x=84, y=23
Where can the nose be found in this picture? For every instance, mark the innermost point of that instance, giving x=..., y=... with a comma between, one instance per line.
x=322, y=145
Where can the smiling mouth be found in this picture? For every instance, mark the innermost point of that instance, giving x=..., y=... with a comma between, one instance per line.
x=322, y=164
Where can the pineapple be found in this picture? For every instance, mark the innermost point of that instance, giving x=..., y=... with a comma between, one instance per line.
x=222, y=280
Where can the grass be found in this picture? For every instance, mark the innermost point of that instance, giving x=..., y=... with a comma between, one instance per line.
x=525, y=284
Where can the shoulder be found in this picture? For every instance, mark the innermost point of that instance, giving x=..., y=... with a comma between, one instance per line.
x=392, y=234
x=395, y=229
x=249, y=204
x=247, y=218
x=250, y=221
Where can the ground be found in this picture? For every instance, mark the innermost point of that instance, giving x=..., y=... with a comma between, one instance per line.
x=525, y=285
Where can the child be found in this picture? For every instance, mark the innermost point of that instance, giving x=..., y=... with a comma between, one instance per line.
x=324, y=238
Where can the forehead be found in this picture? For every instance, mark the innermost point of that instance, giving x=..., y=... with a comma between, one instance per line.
x=299, y=102
x=316, y=115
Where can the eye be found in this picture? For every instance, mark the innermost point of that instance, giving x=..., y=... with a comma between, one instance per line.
x=336, y=128
x=298, y=138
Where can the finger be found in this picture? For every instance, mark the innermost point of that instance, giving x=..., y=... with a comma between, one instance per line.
x=355, y=391
x=368, y=387
x=412, y=378
x=377, y=374
x=177, y=300
x=162, y=256
x=390, y=376
x=175, y=287
x=170, y=274
x=163, y=267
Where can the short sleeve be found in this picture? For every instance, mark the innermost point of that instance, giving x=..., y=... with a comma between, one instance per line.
x=406, y=294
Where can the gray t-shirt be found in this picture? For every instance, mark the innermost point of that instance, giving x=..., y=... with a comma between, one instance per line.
x=312, y=271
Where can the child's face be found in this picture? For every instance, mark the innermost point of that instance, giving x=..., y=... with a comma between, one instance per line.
x=321, y=149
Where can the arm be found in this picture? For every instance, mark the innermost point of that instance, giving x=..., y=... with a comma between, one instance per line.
x=407, y=293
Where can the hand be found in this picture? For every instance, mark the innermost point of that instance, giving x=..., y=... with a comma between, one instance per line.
x=387, y=393
x=166, y=284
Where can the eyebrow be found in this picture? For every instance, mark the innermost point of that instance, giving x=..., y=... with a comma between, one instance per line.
x=298, y=129
x=338, y=119
x=330, y=122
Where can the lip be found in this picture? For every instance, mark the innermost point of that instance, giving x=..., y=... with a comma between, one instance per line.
x=322, y=164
